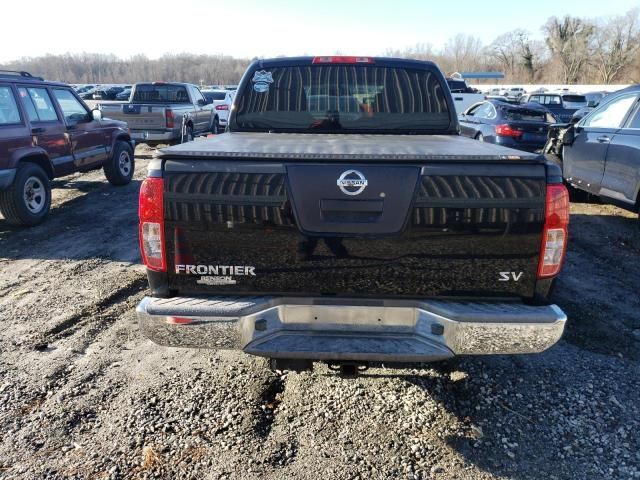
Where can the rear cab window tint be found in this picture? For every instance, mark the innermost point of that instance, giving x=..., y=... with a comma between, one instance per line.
x=9, y=114
x=150, y=93
x=38, y=104
x=342, y=99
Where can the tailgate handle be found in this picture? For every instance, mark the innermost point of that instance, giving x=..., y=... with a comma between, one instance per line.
x=363, y=206
x=351, y=211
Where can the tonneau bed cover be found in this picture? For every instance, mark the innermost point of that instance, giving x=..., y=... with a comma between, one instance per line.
x=302, y=147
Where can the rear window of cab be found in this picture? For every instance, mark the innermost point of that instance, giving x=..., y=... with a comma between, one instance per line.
x=343, y=98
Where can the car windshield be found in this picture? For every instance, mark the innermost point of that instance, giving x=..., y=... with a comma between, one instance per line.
x=574, y=101
x=342, y=99
x=525, y=114
x=150, y=93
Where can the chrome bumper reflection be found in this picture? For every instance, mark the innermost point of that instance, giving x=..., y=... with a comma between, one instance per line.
x=351, y=329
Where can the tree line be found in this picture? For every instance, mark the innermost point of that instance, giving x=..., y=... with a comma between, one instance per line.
x=574, y=50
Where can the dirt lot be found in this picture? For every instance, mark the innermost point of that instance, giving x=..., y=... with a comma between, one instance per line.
x=83, y=395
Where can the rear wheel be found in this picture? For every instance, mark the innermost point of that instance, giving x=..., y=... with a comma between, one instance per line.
x=576, y=195
x=28, y=200
x=215, y=128
x=188, y=134
x=119, y=170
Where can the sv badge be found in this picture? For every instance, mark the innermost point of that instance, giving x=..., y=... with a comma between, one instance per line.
x=509, y=276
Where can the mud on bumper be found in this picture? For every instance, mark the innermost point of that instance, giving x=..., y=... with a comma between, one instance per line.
x=365, y=330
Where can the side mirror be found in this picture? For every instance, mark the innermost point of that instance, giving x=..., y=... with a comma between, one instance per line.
x=202, y=102
x=592, y=103
x=569, y=136
x=96, y=114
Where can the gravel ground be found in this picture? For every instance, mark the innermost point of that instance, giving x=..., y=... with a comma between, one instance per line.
x=83, y=395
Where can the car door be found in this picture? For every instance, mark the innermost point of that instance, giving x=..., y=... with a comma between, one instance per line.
x=468, y=121
x=47, y=129
x=202, y=112
x=88, y=142
x=13, y=127
x=621, y=178
x=584, y=160
x=482, y=118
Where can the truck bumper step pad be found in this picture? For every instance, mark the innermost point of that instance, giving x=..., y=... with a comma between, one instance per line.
x=351, y=329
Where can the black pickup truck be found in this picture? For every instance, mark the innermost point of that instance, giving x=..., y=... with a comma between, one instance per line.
x=343, y=219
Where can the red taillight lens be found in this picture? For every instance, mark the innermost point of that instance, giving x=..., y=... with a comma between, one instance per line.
x=222, y=107
x=507, y=131
x=556, y=232
x=151, y=214
x=341, y=59
x=168, y=113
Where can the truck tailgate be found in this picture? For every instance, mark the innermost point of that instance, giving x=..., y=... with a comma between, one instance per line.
x=138, y=116
x=418, y=228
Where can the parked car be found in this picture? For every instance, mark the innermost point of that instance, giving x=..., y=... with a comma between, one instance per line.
x=503, y=99
x=87, y=94
x=85, y=88
x=601, y=153
x=107, y=93
x=515, y=92
x=515, y=126
x=124, y=95
x=363, y=232
x=562, y=105
x=221, y=101
x=155, y=112
x=46, y=131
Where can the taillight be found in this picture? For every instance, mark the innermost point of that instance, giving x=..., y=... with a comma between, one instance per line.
x=168, y=113
x=151, y=214
x=555, y=233
x=342, y=59
x=222, y=107
x=508, y=131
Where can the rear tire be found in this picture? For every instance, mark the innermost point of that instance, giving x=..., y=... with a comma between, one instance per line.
x=119, y=169
x=576, y=195
x=28, y=200
x=188, y=136
x=480, y=137
x=215, y=128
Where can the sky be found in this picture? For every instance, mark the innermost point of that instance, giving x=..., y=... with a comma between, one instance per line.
x=266, y=28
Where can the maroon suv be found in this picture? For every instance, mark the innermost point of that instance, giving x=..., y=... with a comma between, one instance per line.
x=47, y=131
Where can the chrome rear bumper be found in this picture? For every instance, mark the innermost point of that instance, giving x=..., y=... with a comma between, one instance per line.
x=351, y=329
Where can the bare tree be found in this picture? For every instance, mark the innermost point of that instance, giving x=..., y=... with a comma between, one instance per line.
x=101, y=68
x=506, y=50
x=568, y=39
x=421, y=51
x=616, y=45
x=463, y=53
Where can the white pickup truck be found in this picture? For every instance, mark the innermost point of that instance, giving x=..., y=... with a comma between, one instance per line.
x=463, y=95
x=163, y=113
